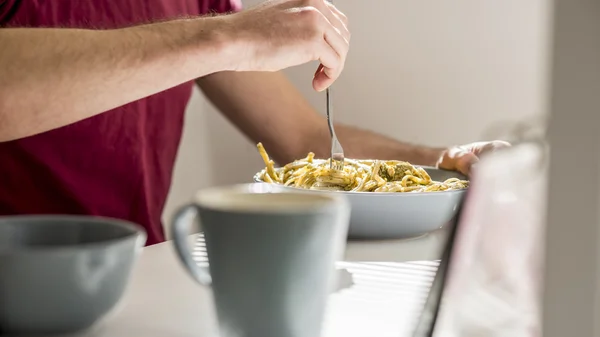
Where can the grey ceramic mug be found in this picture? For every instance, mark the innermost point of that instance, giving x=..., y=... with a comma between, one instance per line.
x=271, y=256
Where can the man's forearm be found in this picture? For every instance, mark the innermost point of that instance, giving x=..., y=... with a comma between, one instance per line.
x=269, y=109
x=362, y=144
x=53, y=77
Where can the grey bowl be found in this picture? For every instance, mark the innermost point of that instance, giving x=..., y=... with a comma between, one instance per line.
x=396, y=215
x=62, y=274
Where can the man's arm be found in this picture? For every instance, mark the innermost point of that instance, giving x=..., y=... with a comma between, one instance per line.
x=268, y=108
x=53, y=77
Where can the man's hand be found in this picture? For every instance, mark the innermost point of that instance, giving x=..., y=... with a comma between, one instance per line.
x=84, y=72
x=278, y=34
x=462, y=158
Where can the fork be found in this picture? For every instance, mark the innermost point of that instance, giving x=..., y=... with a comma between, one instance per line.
x=337, y=152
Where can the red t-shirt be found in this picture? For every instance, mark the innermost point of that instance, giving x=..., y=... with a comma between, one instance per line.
x=117, y=164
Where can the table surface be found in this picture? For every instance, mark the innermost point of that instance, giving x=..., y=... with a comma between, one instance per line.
x=381, y=294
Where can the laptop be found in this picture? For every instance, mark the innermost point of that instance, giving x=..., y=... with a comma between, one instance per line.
x=429, y=317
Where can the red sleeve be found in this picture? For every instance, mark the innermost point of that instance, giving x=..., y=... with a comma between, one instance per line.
x=220, y=6
x=9, y=7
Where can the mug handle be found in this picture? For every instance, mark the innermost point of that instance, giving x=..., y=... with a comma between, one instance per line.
x=182, y=221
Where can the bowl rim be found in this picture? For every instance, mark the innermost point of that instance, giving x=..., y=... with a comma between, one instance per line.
x=135, y=232
x=258, y=180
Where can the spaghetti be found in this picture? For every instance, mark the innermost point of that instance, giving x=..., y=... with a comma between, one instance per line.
x=357, y=176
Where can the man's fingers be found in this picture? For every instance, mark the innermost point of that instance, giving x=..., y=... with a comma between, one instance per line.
x=329, y=68
x=332, y=55
x=458, y=159
x=465, y=162
x=341, y=21
x=485, y=147
x=332, y=18
x=495, y=145
x=340, y=45
x=463, y=158
x=331, y=45
x=321, y=81
x=338, y=13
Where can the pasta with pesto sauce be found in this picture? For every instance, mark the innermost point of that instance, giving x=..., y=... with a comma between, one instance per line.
x=357, y=175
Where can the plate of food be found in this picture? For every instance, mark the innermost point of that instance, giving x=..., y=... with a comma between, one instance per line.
x=389, y=198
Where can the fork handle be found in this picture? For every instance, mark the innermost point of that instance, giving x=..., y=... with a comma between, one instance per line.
x=329, y=112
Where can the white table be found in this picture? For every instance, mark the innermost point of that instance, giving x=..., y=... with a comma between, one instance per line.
x=385, y=298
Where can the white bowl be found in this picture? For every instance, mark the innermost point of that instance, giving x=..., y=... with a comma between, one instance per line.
x=389, y=215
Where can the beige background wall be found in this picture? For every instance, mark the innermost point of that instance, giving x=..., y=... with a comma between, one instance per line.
x=426, y=71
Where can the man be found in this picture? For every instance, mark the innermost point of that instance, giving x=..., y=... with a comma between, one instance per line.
x=91, y=113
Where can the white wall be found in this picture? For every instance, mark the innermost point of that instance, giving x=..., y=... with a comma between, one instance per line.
x=424, y=71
